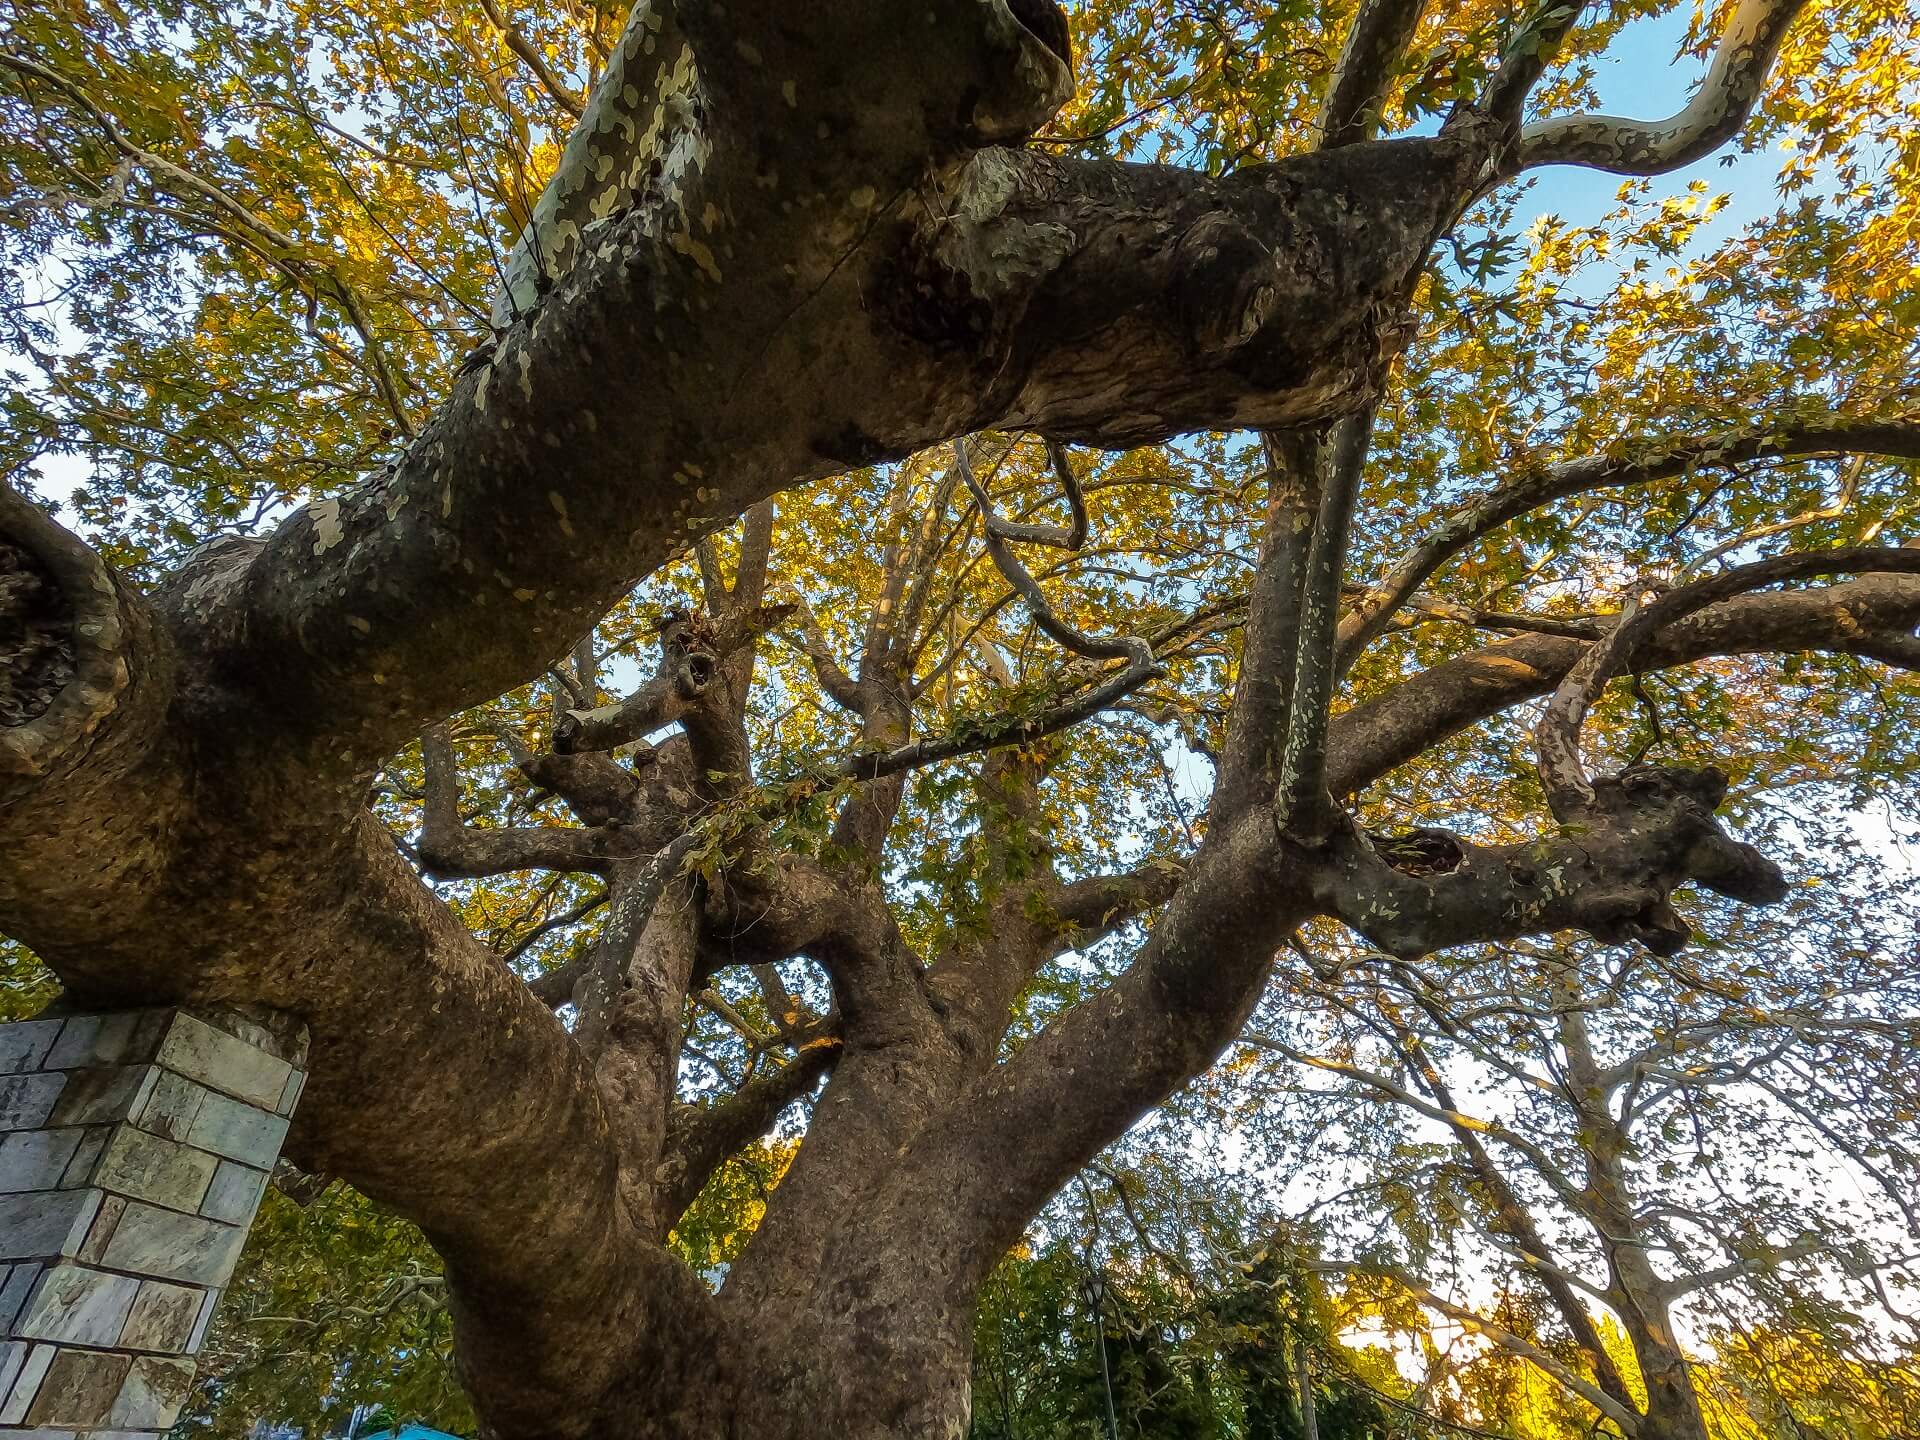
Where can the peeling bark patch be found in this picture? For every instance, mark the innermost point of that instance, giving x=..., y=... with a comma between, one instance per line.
x=327, y=530
x=36, y=637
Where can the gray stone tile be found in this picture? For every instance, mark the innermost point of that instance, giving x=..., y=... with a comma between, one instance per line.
x=146, y=1167
x=121, y=1038
x=35, y=1159
x=201, y=1322
x=76, y=1043
x=80, y=1388
x=163, y=1318
x=78, y=1306
x=26, y=1384
x=170, y=1246
x=44, y=1224
x=280, y=1037
x=80, y=1171
x=290, y=1097
x=24, y=1044
x=13, y=1294
x=172, y=1107
x=112, y=1207
x=13, y=1354
x=155, y=1390
x=234, y=1194
x=103, y=1095
x=239, y=1132
x=196, y=1050
x=27, y=1100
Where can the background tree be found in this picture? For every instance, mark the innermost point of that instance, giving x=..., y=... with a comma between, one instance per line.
x=405, y=540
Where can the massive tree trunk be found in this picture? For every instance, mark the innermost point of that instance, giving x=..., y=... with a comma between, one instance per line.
x=789, y=240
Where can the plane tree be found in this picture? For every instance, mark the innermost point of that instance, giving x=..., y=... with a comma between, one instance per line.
x=346, y=496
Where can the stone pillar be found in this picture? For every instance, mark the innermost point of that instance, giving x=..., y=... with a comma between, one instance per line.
x=134, y=1148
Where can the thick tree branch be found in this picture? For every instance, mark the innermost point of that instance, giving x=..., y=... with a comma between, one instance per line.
x=692, y=650
x=842, y=687
x=1646, y=832
x=452, y=850
x=1263, y=700
x=1557, y=736
x=700, y=1140
x=1301, y=802
x=1376, y=43
x=1533, y=48
x=1858, y=617
x=1714, y=116
x=428, y=577
x=1101, y=904
x=1528, y=491
x=71, y=629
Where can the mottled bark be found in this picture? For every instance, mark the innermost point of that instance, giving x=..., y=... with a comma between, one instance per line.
x=785, y=241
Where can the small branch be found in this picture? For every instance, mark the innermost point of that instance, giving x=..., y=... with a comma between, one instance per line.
x=1683, y=1285
x=1007, y=729
x=563, y=95
x=1714, y=116
x=997, y=532
x=570, y=916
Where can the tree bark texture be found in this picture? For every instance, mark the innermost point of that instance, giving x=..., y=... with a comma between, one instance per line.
x=786, y=241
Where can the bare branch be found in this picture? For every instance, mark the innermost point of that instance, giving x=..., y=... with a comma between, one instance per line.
x=1263, y=695
x=572, y=915
x=1538, y=1158
x=1627, y=1419
x=997, y=532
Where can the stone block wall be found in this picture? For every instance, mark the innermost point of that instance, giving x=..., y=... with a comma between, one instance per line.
x=134, y=1148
